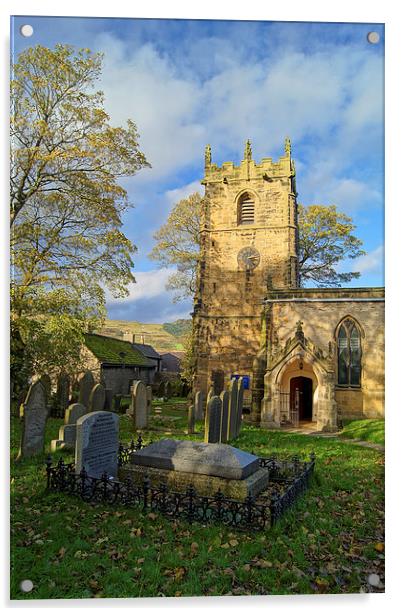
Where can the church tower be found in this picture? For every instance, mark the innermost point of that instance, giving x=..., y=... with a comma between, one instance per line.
x=248, y=245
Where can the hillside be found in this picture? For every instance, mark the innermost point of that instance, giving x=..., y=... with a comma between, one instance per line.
x=163, y=337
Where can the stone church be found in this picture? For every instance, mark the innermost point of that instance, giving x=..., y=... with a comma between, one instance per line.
x=312, y=355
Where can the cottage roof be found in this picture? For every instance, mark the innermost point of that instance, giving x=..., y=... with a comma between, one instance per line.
x=114, y=351
x=147, y=350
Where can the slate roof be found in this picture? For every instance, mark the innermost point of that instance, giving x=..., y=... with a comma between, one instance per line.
x=107, y=350
x=147, y=350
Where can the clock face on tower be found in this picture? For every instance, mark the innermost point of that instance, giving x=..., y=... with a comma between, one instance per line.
x=248, y=257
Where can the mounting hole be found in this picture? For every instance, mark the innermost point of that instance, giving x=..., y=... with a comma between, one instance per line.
x=26, y=585
x=373, y=37
x=26, y=30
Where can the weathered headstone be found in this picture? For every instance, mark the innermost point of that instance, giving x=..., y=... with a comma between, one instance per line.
x=210, y=394
x=232, y=409
x=213, y=420
x=138, y=407
x=168, y=390
x=97, y=444
x=47, y=383
x=67, y=432
x=149, y=397
x=74, y=412
x=191, y=419
x=108, y=399
x=63, y=391
x=240, y=401
x=225, y=398
x=97, y=398
x=198, y=406
x=34, y=412
x=86, y=384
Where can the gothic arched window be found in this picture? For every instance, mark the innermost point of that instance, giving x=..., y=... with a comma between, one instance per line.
x=246, y=210
x=349, y=354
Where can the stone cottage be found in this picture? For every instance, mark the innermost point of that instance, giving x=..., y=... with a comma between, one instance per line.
x=116, y=363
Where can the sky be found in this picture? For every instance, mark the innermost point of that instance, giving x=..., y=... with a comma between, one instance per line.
x=186, y=83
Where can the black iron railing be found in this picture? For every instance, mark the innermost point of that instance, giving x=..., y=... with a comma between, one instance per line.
x=288, y=480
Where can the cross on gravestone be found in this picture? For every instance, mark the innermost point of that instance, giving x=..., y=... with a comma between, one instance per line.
x=225, y=398
x=198, y=406
x=213, y=420
x=96, y=399
x=97, y=444
x=34, y=413
x=86, y=384
x=232, y=409
x=191, y=419
x=139, y=405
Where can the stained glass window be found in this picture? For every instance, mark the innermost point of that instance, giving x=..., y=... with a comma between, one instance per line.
x=349, y=354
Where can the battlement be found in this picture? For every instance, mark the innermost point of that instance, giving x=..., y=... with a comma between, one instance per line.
x=248, y=169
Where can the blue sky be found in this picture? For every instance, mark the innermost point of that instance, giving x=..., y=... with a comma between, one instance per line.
x=187, y=83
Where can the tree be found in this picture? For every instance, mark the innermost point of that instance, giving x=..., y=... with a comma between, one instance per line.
x=65, y=202
x=178, y=242
x=326, y=239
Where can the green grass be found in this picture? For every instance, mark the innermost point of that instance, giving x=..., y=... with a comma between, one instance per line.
x=370, y=430
x=330, y=542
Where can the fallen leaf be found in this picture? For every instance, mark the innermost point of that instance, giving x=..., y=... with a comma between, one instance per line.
x=379, y=547
x=233, y=542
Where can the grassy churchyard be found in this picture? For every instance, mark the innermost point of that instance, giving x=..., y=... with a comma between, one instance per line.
x=330, y=542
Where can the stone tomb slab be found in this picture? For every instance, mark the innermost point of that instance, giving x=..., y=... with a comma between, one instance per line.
x=205, y=485
x=213, y=459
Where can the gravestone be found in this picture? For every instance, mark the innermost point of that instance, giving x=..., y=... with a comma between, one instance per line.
x=225, y=398
x=210, y=394
x=97, y=444
x=232, y=409
x=168, y=390
x=139, y=406
x=191, y=419
x=63, y=391
x=108, y=399
x=149, y=398
x=240, y=401
x=198, y=406
x=117, y=402
x=97, y=399
x=47, y=383
x=34, y=413
x=213, y=420
x=86, y=384
x=67, y=433
x=74, y=412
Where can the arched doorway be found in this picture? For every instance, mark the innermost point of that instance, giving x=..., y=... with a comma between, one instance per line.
x=301, y=398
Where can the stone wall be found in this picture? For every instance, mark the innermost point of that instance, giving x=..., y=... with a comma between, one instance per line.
x=321, y=311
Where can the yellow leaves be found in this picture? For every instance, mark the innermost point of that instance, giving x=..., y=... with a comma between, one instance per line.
x=379, y=547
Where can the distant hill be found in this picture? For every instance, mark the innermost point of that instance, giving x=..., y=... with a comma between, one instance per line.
x=163, y=337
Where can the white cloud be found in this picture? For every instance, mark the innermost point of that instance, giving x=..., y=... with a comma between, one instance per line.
x=175, y=195
x=371, y=263
x=335, y=97
x=148, y=285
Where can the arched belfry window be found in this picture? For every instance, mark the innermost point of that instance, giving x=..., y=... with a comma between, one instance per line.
x=246, y=209
x=349, y=354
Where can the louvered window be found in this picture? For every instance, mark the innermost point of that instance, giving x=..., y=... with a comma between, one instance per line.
x=246, y=210
x=349, y=354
